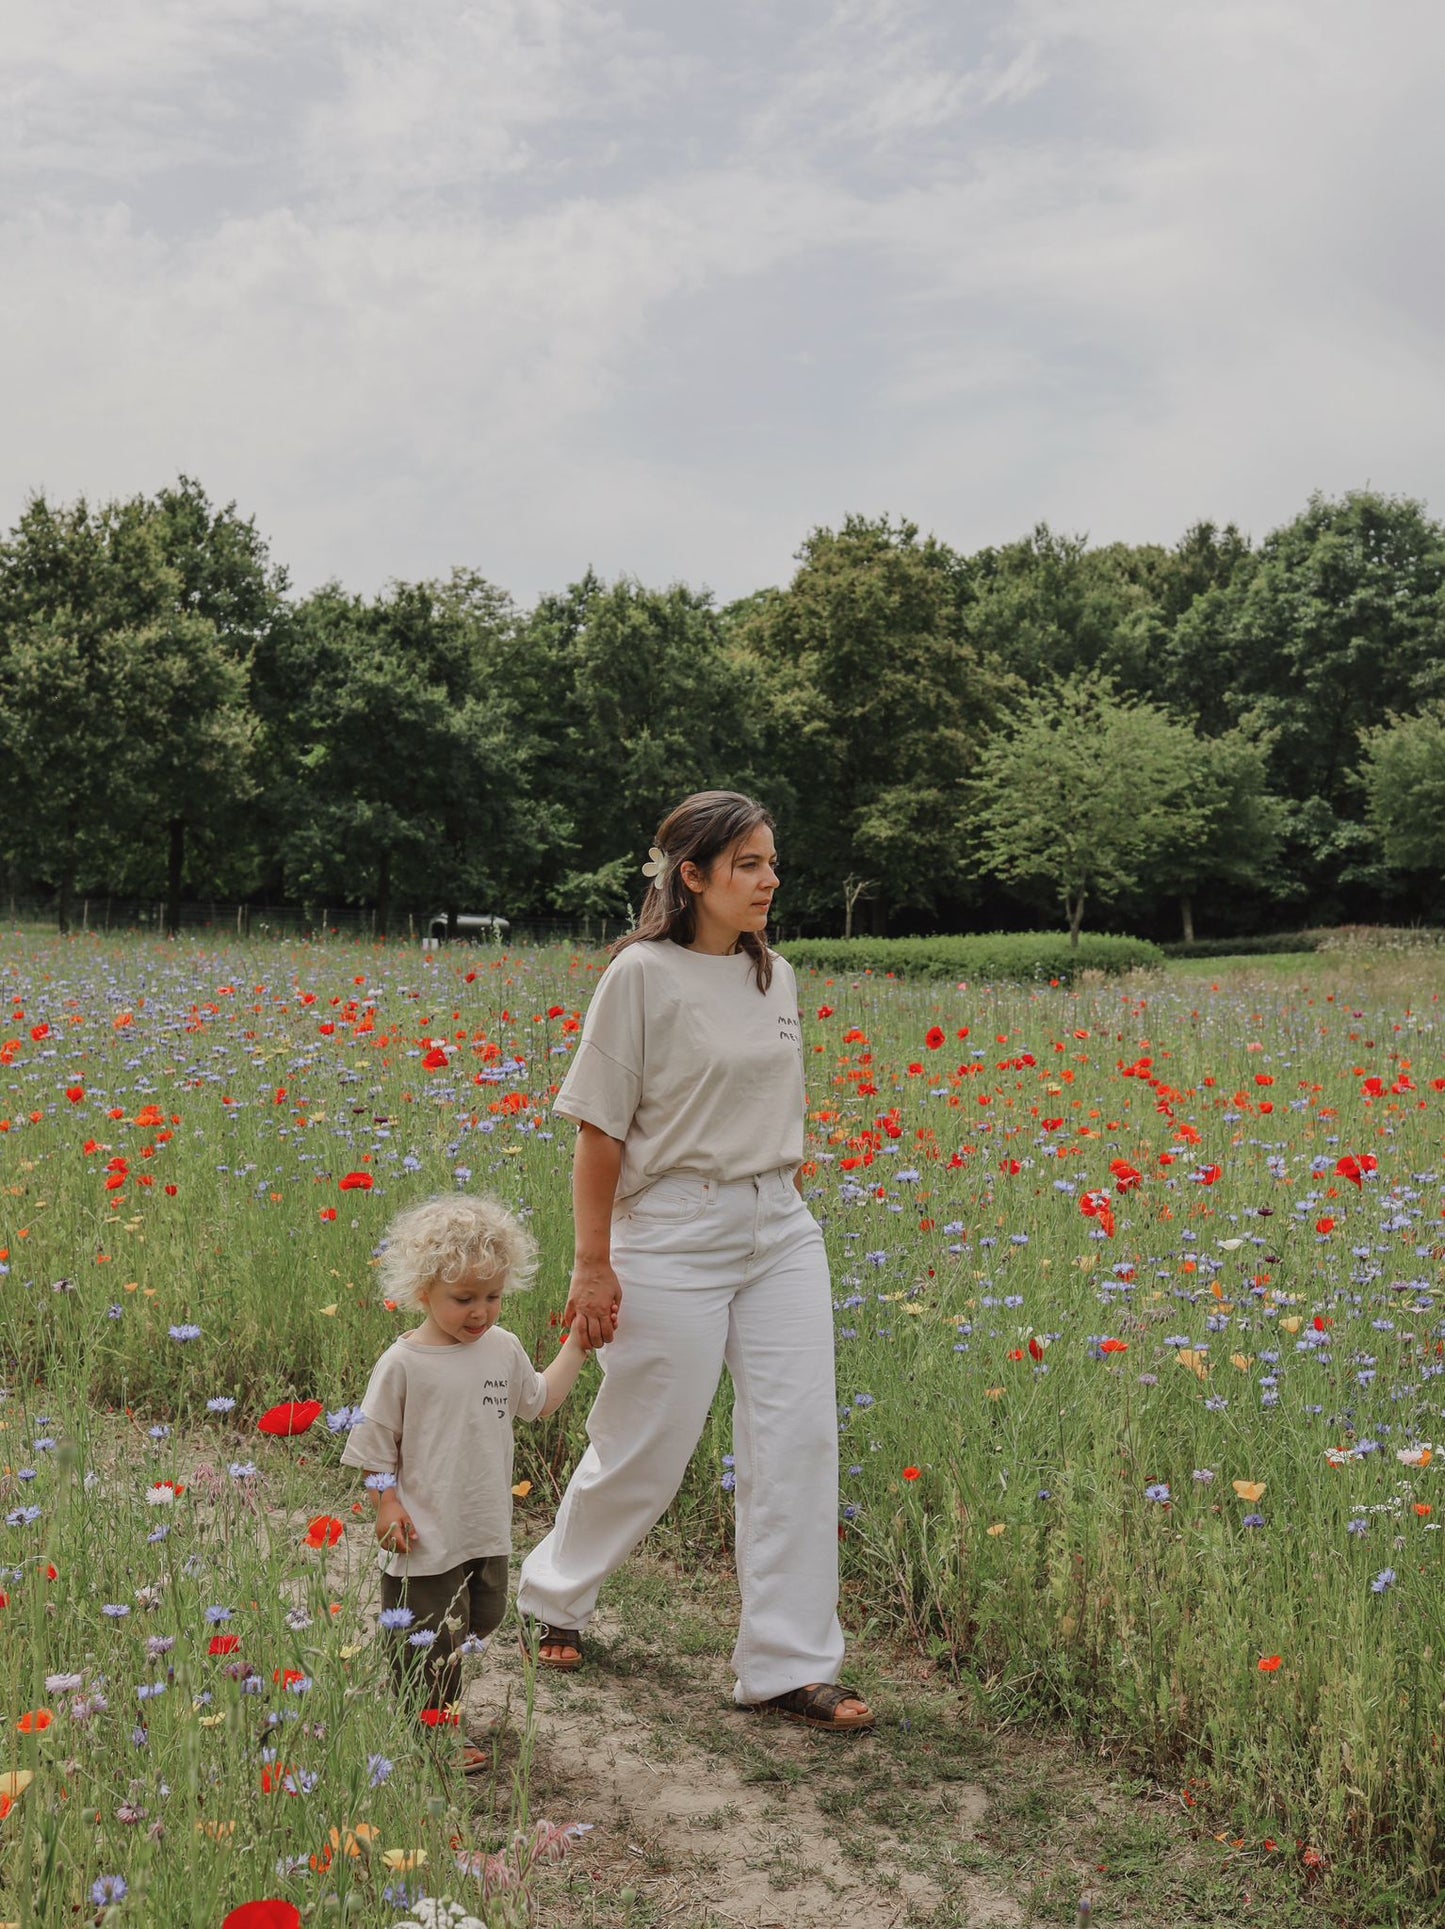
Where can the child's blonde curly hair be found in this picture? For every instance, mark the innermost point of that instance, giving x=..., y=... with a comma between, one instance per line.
x=454, y=1237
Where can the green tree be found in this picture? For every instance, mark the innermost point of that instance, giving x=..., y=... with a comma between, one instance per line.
x=638, y=699
x=1339, y=622
x=876, y=705
x=399, y=767
x=1228, y=832
x=1082, y=793
x=1403, y=776
x=123, y=672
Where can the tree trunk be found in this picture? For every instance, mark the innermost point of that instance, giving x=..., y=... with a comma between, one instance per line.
x=452, y=915
x=64, y=895
x=383, y=893
x=1076, y=919
x=1186, y=909
x=175, y=864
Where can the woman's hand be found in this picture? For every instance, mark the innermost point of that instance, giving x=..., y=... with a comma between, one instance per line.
x=594, y=1302
x=395, y=1528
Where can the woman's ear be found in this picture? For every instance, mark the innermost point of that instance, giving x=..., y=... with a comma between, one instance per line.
x=691, y=876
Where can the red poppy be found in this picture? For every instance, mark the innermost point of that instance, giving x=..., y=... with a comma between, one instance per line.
x=435, y=1060
x=441, y=1718
x=1209, y=1175
x=1036, y=1352
x=75, y=1093
x=291, y=1417
x=225, y=1643
x=825, y=1011
x=37, y=1032
x=271, y=1913
x=1270, y=1663
x=328, y=1213
x=149, y=1115
x=357, y=1182
x=35, y=1722
x=1126, y=1177
x=324, y=1531
x=1324, y=1225
x=912, y=1473
x=285, y=1676
x=934, y=1040
x=1353, y=1169
x=1113, y=1346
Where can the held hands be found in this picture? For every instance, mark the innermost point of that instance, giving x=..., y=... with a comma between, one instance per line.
x=395, y=1528
x=594, y=1303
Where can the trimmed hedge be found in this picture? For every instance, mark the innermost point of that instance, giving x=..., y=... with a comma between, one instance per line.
x=1287, y=941
x=1027, y=957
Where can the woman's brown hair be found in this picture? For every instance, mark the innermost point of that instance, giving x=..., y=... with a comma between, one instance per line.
x=703, y=828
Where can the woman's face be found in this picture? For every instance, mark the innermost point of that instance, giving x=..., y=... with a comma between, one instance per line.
x=737, y=894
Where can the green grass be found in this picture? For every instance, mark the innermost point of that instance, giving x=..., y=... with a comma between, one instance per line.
x=1138, y=1622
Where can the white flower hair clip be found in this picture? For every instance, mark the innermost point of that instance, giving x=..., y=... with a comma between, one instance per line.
x=657, y=869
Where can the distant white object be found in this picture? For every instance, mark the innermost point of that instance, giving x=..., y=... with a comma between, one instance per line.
x=471, y=925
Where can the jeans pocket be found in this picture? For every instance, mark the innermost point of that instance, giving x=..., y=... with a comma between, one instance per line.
x=676, y=1199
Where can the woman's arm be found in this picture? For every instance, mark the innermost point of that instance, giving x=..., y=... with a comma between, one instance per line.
x=596, y=1296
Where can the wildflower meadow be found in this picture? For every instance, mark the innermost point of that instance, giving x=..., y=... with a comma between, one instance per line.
x=1141, y=1369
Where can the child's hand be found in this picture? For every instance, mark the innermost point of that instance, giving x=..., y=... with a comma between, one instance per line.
x=395, y=1528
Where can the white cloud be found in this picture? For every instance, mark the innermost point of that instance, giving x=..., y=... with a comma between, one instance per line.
x=528, y=286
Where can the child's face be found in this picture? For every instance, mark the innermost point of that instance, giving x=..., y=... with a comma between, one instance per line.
x=467, y=1308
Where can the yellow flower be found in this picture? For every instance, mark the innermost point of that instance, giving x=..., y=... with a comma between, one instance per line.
x=403, y=1861
x=998, y=1528
x=1242, y=1361
x=1197, y=1364
x=1250, y=1490
x=522, y=1489
x=329, y=1312
x=15, y=1783
x=1292, y=1324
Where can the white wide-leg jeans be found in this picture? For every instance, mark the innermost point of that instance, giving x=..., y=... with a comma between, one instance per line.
x=715, y=1274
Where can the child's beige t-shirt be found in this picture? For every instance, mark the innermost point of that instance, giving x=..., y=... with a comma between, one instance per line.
x=440, y=1419
x=683, y=1059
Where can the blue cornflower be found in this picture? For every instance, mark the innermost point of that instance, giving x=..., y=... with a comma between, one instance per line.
x=183, y=1333
x=108, y=1888
x=423, y=1638
x=729, y=1482
x=1383, y=1581
x=117, y=1610
x=1254, y=1520
x=397, y=1617
x=242, y=1469
x=223, y=1403
x=378, y=1769
x=863, y=1399
x=215, y=1615
x=379, y=1483
x=22, y=1516
x=1359, y=1525
x=1159, y=1491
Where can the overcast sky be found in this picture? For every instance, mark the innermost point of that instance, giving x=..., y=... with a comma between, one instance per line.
x=658, y=286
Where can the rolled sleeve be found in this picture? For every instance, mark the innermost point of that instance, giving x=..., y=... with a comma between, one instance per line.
x=376, y=1444
x=604, y=1081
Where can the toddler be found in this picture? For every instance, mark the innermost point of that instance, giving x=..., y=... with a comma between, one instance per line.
x=436, y=1433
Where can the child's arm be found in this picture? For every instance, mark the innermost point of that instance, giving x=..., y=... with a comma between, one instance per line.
x=561, y=1375
x=395, y=1528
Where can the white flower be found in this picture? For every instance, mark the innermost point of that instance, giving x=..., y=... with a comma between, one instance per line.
x=657, y=869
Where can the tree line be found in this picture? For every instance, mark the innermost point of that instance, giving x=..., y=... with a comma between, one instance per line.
x=1245, y=734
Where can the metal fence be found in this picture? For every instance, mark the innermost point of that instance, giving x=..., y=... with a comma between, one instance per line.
x=312, y=922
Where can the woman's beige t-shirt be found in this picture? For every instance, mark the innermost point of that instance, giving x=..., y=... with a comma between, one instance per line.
x=440, y=1419
x=695, y=1070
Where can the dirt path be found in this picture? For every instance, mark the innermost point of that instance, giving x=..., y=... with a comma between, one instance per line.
x=709, y=1818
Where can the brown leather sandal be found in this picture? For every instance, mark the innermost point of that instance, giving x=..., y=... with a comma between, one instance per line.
x=817, y=1706
x=536, y=1635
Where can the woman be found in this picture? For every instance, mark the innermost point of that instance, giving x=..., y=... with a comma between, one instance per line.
x=694, y=1251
